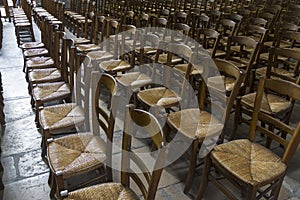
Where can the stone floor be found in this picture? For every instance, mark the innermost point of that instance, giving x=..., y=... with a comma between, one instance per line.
x=25, y=174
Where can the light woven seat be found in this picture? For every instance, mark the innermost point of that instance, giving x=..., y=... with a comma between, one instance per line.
x=105, y=191
x=45, y=75
x=263, y=72
x=159, y=96
x=87, y=47
x=194, y=123
x=35, y=52
x=30, y=45
x=134, y=80
x=217, y=82
x=183, y=68
x=76, y=154
x=47, y=92
x=250, y=162
x=39, y=62
x=60, y=116
x=113, y=66
x=162, y=59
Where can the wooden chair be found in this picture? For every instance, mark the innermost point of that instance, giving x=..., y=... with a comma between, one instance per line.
x=170, y=82
x=135, y=80
x=227, y=29
x=209, y=39
x=60, y=118
x=86, y=151
x=245, y=57
x=198, y=124
x=262, y=175
x=119, y=42
x=57, y=72
x=146, y=180
x=283, y=63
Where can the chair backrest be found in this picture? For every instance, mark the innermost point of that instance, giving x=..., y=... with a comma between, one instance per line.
x=243, y=42
x=148, y=40
x=292, y=37
x=257, y=32
x=209, y=38
x=258, y=21
x=68, y=60
x=285, y=58
x=289, y=137
x=105, y=101
x=226, y=27
x=139, y=123
x=181, y=29
x=222, y=86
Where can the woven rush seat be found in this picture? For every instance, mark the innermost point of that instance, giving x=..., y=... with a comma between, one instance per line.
x=45, y=75
x=78, y=41
x=194, y=123
x=76, y=153
x=100, y=55
x=51, y=91
x=114, y=65
x=271, y=104
x=39, y=62
x=183, y=68
x=30, y=45
x=134, y=80
x=159, y=96
x=247, y=161
x=87, y=47
x=162, y=59
x=263, y=71
x=35, y=52
x=61, y=116
x=217, y=82
x=114, y=191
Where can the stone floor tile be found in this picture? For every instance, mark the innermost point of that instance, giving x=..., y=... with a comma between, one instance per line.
x=20, y=136
x=10, y=172
x=17, y=109
x=34, y=188
x=31, y=164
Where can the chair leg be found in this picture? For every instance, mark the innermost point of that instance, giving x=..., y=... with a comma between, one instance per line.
x=60, y=185
x=53, y=186
x=193, y=162
x=204, y=180
x=251, y=193
x=45, y=137
x=237, y=116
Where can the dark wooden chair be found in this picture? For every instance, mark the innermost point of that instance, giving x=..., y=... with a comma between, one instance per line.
x=86, y=151
x=198, y=125
x=134, y=168
x=251, y=167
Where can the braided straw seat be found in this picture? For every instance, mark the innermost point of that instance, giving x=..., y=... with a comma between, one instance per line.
x=76, y=154
x=113, y=191
x=113, y=66
x=45, y=75
x=51, y=91
x=87, y=47
x=271, y=104
x=183, y=68
x=159, y=96
x=35, y=52
x=134, y=80
x=263, y=71
x=61, y=116
x=250, y=162
x=162, y=59
x=39, y=62
x=30, y=45
x=215, y=82
x=195, y=124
